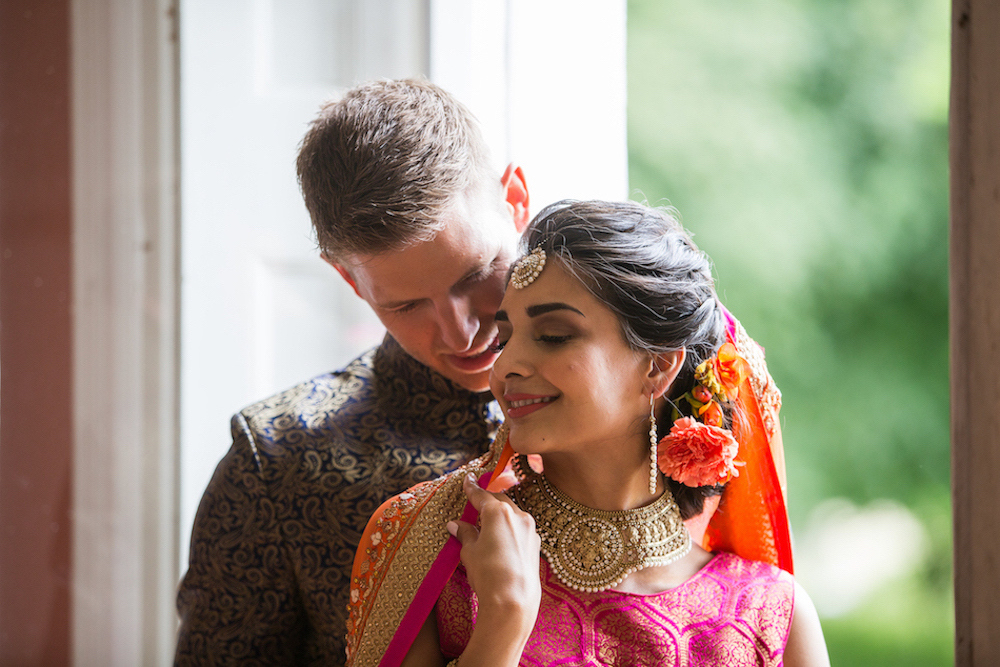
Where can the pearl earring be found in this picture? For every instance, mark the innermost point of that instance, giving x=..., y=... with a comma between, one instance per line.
x=652, y=448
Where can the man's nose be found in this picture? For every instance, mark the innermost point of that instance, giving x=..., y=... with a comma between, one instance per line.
x=459, y=323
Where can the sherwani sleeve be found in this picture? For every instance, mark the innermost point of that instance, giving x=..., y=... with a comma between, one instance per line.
x=238, y=602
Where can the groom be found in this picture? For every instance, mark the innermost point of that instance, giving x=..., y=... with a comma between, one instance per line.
x=406, y=207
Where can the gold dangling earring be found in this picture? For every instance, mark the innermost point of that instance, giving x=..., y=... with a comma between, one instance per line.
x=652, y=448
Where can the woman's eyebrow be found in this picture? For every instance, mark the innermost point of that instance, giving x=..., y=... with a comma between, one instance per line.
x=542, y=308
x=538, y=309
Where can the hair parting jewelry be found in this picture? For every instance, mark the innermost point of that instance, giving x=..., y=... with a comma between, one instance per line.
x=528, y=268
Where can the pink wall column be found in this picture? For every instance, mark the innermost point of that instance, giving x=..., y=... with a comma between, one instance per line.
x=36, y=448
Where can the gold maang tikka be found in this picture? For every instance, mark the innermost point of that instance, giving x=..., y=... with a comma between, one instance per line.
x=527, y=268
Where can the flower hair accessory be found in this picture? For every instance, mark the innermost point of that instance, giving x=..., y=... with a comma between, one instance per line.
x=724, y=373
x=699, y=450
x=528, y=268
x=697, y=454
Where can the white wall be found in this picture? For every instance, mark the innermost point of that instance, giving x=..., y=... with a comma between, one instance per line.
x=259, y=310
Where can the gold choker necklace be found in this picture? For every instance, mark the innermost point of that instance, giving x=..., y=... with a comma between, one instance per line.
x=593, y=550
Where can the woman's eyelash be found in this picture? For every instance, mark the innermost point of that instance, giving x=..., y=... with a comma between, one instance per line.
x=552, y=340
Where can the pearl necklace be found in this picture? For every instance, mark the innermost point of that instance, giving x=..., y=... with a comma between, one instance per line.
x=593, y=550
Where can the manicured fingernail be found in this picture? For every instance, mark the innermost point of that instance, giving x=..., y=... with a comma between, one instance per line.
x=452, y=528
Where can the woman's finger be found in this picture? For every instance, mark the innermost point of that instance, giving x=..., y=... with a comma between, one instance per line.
x=479, y=496
x=476, y=495
x=464, y=532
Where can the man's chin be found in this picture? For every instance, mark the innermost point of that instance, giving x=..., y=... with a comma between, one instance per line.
x=472, y=373
x=476, y=383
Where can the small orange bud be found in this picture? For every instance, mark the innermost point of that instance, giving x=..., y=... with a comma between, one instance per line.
x=711, y=414
x=701, y=394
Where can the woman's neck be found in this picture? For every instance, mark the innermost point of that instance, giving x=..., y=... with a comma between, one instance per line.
x=613, y=480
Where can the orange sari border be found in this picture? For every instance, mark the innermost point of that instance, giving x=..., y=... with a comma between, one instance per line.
x=752, y=517
x=416, y=517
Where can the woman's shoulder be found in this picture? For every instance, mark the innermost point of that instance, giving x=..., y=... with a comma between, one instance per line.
x=740, y=568
x=432, y=504
x=759, y=594
x=401, y=507
x=753, y=584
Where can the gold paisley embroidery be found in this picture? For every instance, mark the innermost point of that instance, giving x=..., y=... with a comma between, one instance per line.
x=277, y=528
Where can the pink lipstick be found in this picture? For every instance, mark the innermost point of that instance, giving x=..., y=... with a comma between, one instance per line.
x=521, y=405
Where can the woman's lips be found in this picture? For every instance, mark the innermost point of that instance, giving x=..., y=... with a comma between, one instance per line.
x=521, y=405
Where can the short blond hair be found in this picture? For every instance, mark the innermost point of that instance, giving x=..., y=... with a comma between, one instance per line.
x=379, y=166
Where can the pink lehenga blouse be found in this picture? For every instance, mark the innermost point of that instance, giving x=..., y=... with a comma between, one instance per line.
x=732, y=612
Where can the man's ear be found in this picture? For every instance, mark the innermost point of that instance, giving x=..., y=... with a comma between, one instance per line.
x=344, y=273
x=663, y=370
x=515, y=191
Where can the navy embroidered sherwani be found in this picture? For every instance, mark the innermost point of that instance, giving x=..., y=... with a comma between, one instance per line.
x=275, y=534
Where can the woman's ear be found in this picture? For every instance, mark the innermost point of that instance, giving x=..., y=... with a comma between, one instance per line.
x=663, y=370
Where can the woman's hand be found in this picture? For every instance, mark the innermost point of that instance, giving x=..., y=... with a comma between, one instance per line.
x=501, y=559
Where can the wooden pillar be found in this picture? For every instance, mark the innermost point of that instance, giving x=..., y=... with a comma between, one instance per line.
x=36, y=426
x=975, y=328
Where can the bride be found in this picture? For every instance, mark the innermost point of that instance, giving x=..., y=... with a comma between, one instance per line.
x=649, y=525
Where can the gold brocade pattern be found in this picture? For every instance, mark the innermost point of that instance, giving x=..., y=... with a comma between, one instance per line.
x=593, y=550
x=406, y=536
x=733, y=613
x=767, y=392
x=277, y=528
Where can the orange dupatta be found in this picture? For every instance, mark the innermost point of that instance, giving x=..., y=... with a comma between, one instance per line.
x=752, y=517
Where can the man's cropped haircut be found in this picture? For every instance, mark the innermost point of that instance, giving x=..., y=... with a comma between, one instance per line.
x=379, y=166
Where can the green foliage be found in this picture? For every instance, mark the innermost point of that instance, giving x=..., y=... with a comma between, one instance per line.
x=805, y=144
x=905, y=624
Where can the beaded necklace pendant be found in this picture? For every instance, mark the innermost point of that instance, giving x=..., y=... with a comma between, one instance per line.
x=594, y=550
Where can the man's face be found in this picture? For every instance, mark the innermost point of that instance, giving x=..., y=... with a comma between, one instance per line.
x=438, y=298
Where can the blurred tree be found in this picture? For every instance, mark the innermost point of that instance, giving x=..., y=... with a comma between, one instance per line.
x=805, y=144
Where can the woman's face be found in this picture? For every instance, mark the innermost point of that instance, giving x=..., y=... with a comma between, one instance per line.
x=566, y=379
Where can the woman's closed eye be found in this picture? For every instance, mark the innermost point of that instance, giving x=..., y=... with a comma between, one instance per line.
x=547, y=339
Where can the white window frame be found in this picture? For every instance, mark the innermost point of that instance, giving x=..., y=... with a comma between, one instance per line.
x=126, y=276
x=124, y=103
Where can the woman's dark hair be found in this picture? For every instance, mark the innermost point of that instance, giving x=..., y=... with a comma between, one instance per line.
x=641, y=263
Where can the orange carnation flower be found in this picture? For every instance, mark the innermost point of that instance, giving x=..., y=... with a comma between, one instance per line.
x=697, y=454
